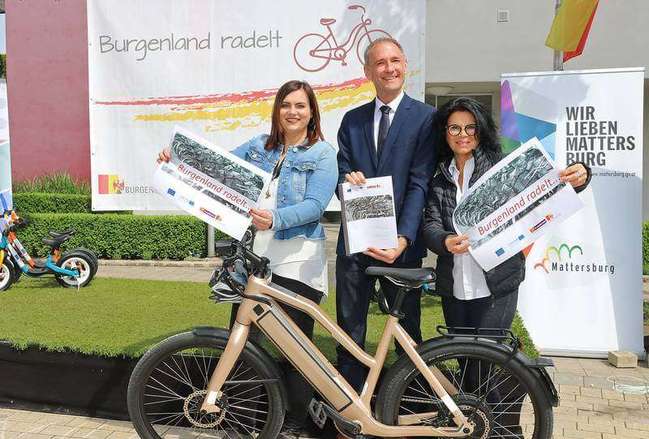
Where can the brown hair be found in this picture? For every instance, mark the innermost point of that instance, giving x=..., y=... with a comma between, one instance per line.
x=313, y=128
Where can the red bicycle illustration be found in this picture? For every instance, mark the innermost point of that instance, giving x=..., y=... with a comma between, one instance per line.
x=313, y=51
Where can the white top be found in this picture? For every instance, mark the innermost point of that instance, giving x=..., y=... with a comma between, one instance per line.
x=468, y=278
x=298, y=258
x=377, y=114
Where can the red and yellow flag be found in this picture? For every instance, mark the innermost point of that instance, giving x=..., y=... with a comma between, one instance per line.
x=571, y=26
x=110, y=184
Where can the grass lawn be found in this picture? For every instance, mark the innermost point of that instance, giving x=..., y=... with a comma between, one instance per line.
x=123, y=317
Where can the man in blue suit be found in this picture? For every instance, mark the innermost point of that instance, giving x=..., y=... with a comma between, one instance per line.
x=391, y=135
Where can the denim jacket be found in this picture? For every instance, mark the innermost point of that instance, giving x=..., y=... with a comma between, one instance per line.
x=307, y=182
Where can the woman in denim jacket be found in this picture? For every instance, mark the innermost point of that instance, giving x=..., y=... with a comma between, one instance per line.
x=304, y=176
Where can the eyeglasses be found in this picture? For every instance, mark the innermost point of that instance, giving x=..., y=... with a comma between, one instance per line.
x=456, y=130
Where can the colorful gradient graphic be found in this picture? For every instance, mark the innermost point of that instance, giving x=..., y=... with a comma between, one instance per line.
x=543, y=263
x=231, y=111
x=110, y=184
x=518, y=128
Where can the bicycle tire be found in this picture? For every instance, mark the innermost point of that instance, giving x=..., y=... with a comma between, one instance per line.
x=365, y=41
x=406, y=392
x=152, y=384
x=307, y=43
x=17, y=271
x=7, y=274
x=91, y=256
x=82, y=262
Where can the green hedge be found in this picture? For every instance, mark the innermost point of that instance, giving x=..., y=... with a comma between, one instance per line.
x=120, y=236
x=37, y=202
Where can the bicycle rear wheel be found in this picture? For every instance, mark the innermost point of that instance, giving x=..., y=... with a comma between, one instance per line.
x=167, y=388
x=500, y=395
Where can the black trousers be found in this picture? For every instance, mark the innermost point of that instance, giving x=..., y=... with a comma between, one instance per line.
x=487, y=312
x=299, y=390
x=353, y=292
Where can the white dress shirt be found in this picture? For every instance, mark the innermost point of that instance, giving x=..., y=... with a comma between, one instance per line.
x=468, y=278
x=377, y=114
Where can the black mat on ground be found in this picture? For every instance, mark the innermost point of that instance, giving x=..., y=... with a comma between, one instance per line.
x=64, y=382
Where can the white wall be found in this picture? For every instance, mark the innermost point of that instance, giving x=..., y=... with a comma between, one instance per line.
x=465, y=43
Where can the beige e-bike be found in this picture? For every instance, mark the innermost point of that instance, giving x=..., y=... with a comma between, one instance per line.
x=220, y=383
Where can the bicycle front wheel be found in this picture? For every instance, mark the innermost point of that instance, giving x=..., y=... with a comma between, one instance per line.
x=167, y=388
x=500, y=396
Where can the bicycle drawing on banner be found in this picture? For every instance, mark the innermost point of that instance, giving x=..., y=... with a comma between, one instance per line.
x=314, y=51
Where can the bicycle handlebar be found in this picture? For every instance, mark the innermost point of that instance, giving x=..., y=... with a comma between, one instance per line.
x=239, y=251
x=354, y=7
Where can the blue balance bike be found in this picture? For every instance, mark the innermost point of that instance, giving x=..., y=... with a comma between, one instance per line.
x=72, y=269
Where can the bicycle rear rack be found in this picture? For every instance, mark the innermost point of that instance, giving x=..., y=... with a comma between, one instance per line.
x=499, y=335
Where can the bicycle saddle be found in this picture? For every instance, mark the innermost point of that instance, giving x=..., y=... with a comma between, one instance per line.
x=327, y=21
x=409, y=277
x=55, y=234
x=56, y=241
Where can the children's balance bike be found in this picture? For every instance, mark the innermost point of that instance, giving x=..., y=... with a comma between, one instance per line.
x=72, y=269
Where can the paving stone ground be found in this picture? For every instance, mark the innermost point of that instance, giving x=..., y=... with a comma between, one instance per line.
x=598, y=401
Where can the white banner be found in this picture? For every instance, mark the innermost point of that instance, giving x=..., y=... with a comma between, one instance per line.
x=583, y=288
x=214, y=66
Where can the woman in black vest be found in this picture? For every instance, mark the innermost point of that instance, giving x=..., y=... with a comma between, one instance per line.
x=468, y=144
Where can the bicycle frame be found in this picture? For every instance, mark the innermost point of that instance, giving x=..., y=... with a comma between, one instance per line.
x=26, y=264
x=260, y=307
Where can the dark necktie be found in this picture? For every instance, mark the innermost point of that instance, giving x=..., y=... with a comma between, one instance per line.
x=384, y=126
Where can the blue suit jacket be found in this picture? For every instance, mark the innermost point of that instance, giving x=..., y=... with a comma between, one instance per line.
x=409, y=156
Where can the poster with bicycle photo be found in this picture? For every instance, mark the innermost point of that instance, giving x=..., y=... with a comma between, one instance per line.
x=214, y=67
x=514, y=203
x=210, y=183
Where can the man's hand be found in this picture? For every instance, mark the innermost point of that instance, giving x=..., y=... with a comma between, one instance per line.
x=355, y=177
x=261, y=218
x=457, y=244
x=388, y=255
x=164, y=155
x=575, y=174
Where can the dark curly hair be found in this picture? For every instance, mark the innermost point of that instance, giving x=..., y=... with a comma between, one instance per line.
x=487, y=133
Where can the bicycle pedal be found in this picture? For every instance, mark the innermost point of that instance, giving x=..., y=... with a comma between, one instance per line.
x=317, y=413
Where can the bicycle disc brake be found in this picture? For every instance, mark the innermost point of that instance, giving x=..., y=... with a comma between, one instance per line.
x=478, y=414
x=192, y=410
x=473, y=408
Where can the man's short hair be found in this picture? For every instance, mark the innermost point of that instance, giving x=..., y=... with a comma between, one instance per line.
x=366, y=55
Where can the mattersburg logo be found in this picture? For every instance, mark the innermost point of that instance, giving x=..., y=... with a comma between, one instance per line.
x=570, y=259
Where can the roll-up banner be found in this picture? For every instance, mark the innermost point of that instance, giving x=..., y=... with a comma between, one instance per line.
x=583, y=289
x=6, y=202
x=213, y=67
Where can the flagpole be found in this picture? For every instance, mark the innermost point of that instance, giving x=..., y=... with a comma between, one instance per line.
x=558, y=55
